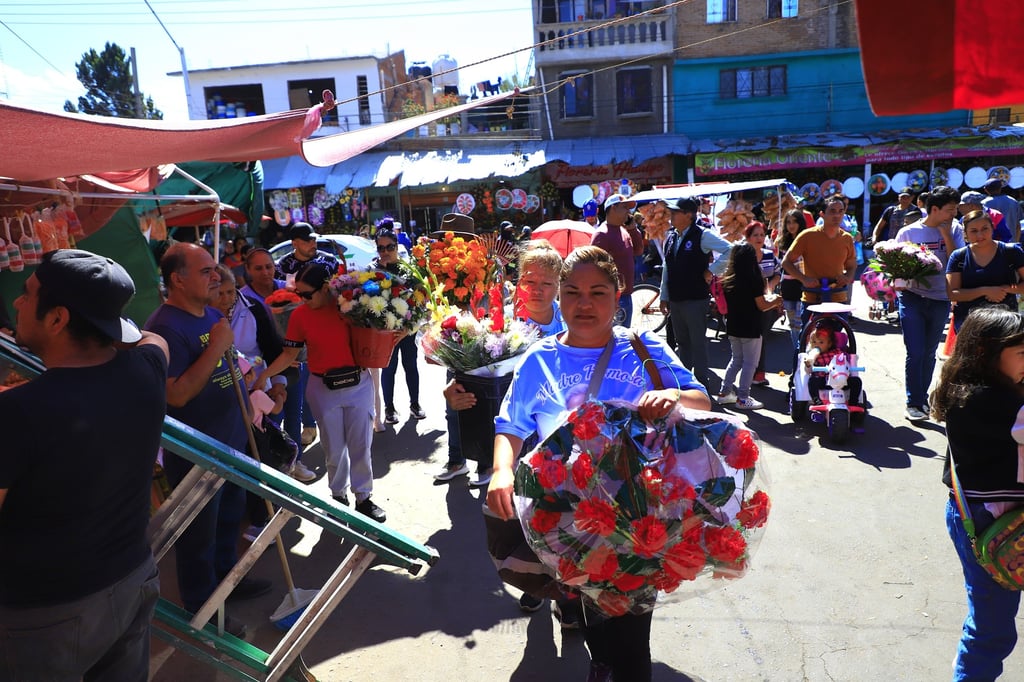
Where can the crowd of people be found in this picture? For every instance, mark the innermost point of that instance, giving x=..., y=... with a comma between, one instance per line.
x=182, y=365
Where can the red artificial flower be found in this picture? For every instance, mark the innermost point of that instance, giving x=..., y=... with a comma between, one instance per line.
x=582, y=471
x=664, y=581
x=693, y=526
x=613, y=604
x=347, y=294
x=497, y=309
x=595, y=516
x=380, y=275
x=551, y=473
x=449, y=322
x=740, y=450
x=536, y=460
x=754, y=512
x=586, y=422
x=684, y=560
x=724, y=544
x=544, y=521
x=601, y=563
x=675, y=488
x=649, y=536
x=652, y=481
x=570, y=574
x=627, y=582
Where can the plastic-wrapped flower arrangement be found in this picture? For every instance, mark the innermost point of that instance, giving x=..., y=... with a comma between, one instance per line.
x=905, y=261
x=382, y=300
x=626, y=512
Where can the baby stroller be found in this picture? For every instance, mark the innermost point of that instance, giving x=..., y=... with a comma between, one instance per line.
x=830, y=392
x=881, y=293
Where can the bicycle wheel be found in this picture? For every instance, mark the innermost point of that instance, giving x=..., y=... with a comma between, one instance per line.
x=647, y=315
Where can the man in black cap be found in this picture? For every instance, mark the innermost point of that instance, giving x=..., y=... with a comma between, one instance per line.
x=78, y=583
x=1008, y=206
x=303, y=251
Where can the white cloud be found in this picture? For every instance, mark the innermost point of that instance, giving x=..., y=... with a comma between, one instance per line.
x=46, y=91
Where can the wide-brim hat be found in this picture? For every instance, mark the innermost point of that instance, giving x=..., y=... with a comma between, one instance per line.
x=457, y=223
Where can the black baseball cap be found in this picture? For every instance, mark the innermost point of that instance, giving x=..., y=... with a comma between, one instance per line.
x=684, y=205
x=303, y=231
x=92, y=286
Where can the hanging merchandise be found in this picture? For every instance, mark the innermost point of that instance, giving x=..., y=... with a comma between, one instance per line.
x=465, y=203
x=27, y=244
x=878, y=184
x=295, y=198
x=45, y=234
x=321, y=199
x=74, y=224
x=853, y=187
x=519, y=199
x=999, y=173
x=581, y=195
x=532, y=203
x=298, y=215
x=59, y=222
x=975, y=177
x=917, y=181
x=5, y=261
x=504, y=199
x=278, y=200
x=831, y=187
x=939, y=177
x=956, y=177
x=316, y=216
x=15, y=261
x=811, y=192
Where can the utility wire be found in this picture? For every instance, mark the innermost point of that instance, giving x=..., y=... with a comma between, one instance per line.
x=15, y=34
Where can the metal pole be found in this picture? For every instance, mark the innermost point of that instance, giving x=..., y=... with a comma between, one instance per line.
x=135, y=86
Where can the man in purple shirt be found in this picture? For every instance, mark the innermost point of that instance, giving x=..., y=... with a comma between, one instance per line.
x=619, y=237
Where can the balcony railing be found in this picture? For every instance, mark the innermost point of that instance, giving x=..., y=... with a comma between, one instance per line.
x=647, y=35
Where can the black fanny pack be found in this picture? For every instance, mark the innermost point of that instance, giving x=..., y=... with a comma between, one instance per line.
x=342, y=377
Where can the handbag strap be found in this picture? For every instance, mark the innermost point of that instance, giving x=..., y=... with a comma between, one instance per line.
x=959, y=499
x=599, y=369
x=646, y=361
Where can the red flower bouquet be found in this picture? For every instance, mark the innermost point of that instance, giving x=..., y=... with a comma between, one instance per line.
x=626, y=512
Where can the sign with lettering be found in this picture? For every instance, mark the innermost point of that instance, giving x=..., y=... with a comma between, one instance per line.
x=650, y=172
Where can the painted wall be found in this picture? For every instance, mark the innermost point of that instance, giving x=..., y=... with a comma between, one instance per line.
x=824, y=93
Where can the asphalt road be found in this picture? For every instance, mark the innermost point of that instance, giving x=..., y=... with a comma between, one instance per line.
x=855, y=579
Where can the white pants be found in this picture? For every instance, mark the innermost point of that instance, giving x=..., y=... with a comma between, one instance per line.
x=345, y=418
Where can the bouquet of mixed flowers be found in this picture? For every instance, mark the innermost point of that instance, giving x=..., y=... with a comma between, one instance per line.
x=456, y=271
x=378, y=299
x=479, y=341
x=624, y=511
x=906, y=261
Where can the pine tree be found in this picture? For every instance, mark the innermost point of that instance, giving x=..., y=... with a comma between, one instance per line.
x=107, y=77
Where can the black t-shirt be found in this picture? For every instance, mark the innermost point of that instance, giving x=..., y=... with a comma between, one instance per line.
x=982, y=445
x=744, y=318
x=79, y=447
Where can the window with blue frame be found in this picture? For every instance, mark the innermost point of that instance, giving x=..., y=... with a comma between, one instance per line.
x=782, y=9
x=758, y=81
x=577, y=95
x=720, y=11
x=633, y=91
x=566, y=11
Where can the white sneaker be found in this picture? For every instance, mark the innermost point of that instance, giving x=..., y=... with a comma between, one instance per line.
x=726, y=398
x=450, y=472
x=300, y=472
x=482, y=478
x=916, y=414
x=308, y=434
x=749, y=404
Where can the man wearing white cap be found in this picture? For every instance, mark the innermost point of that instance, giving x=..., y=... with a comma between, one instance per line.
x=619, y=237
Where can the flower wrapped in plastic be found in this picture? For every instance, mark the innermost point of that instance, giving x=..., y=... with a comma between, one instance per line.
x=377, y=299
x=626, y=512
x=877, y=286
x=906, y=261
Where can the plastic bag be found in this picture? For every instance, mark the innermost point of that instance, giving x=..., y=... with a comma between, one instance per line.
x=627, y=513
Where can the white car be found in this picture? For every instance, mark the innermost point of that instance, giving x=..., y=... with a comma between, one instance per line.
x=359, y=252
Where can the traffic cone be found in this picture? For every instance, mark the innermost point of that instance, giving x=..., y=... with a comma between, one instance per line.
x=947, y=348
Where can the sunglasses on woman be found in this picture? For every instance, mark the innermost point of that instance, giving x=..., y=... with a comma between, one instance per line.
x=381, y=248
x=306, y=295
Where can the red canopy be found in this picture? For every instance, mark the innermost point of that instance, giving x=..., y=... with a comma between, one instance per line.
x=930, y=56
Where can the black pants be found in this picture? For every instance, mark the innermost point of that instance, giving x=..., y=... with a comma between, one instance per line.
x=623, y=644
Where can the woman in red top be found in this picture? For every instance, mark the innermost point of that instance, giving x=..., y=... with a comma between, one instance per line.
x=339, y=393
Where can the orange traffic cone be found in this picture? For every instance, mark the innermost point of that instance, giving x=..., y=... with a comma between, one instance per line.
x=947, y=348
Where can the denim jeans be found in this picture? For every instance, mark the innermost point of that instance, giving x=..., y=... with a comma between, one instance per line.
x=626, y=306
x=742, y=363
x=407, y=349
x=794, y=311
x=989, y=631
x=922, y=321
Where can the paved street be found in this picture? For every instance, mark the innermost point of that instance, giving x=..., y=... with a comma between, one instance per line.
x=855, y=579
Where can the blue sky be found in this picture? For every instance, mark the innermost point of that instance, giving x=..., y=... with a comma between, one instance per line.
x=40, y=42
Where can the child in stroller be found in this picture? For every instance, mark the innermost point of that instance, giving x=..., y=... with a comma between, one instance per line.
x=825, y=383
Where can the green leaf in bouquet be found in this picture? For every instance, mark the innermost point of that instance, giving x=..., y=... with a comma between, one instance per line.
x=716, y=492
x=526, y=483
x=562, y=502
x=632, y=497
x=573, y=544
x=637, y=565
x=561, y=441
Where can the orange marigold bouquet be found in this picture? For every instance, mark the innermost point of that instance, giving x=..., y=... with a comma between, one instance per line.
x=456, y=271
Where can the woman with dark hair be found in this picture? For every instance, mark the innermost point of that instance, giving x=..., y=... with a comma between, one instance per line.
x=747, y=300
x=549, y=380
x=790, y=288
x=387, y=259
x=771, y=271
x=980, y=397
x=984, y=272
x=340, y=394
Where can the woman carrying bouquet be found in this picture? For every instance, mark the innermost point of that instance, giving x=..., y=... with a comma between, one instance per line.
x=387, y=259
x=984, y=272
x=552, y=378
x=980, y=398
x=344, y=412
x=771, y=272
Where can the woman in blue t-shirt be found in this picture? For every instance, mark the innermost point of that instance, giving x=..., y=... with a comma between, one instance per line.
x=985, y=272
x=553, y=378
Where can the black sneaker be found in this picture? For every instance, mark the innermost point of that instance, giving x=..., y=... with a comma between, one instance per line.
x=416, y=412
x=390, y=415
x=341, y=499
x=529, y=604
x=250, y=588
x=567, y=613
x=368, y=508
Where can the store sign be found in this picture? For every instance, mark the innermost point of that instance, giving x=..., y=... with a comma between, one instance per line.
x=649, y=172
x=897, y=152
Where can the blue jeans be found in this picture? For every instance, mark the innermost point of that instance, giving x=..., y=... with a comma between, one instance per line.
x=626, y=306
x=922, y=321
x=743, y=363
x=407, y=349
x=989, y=632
